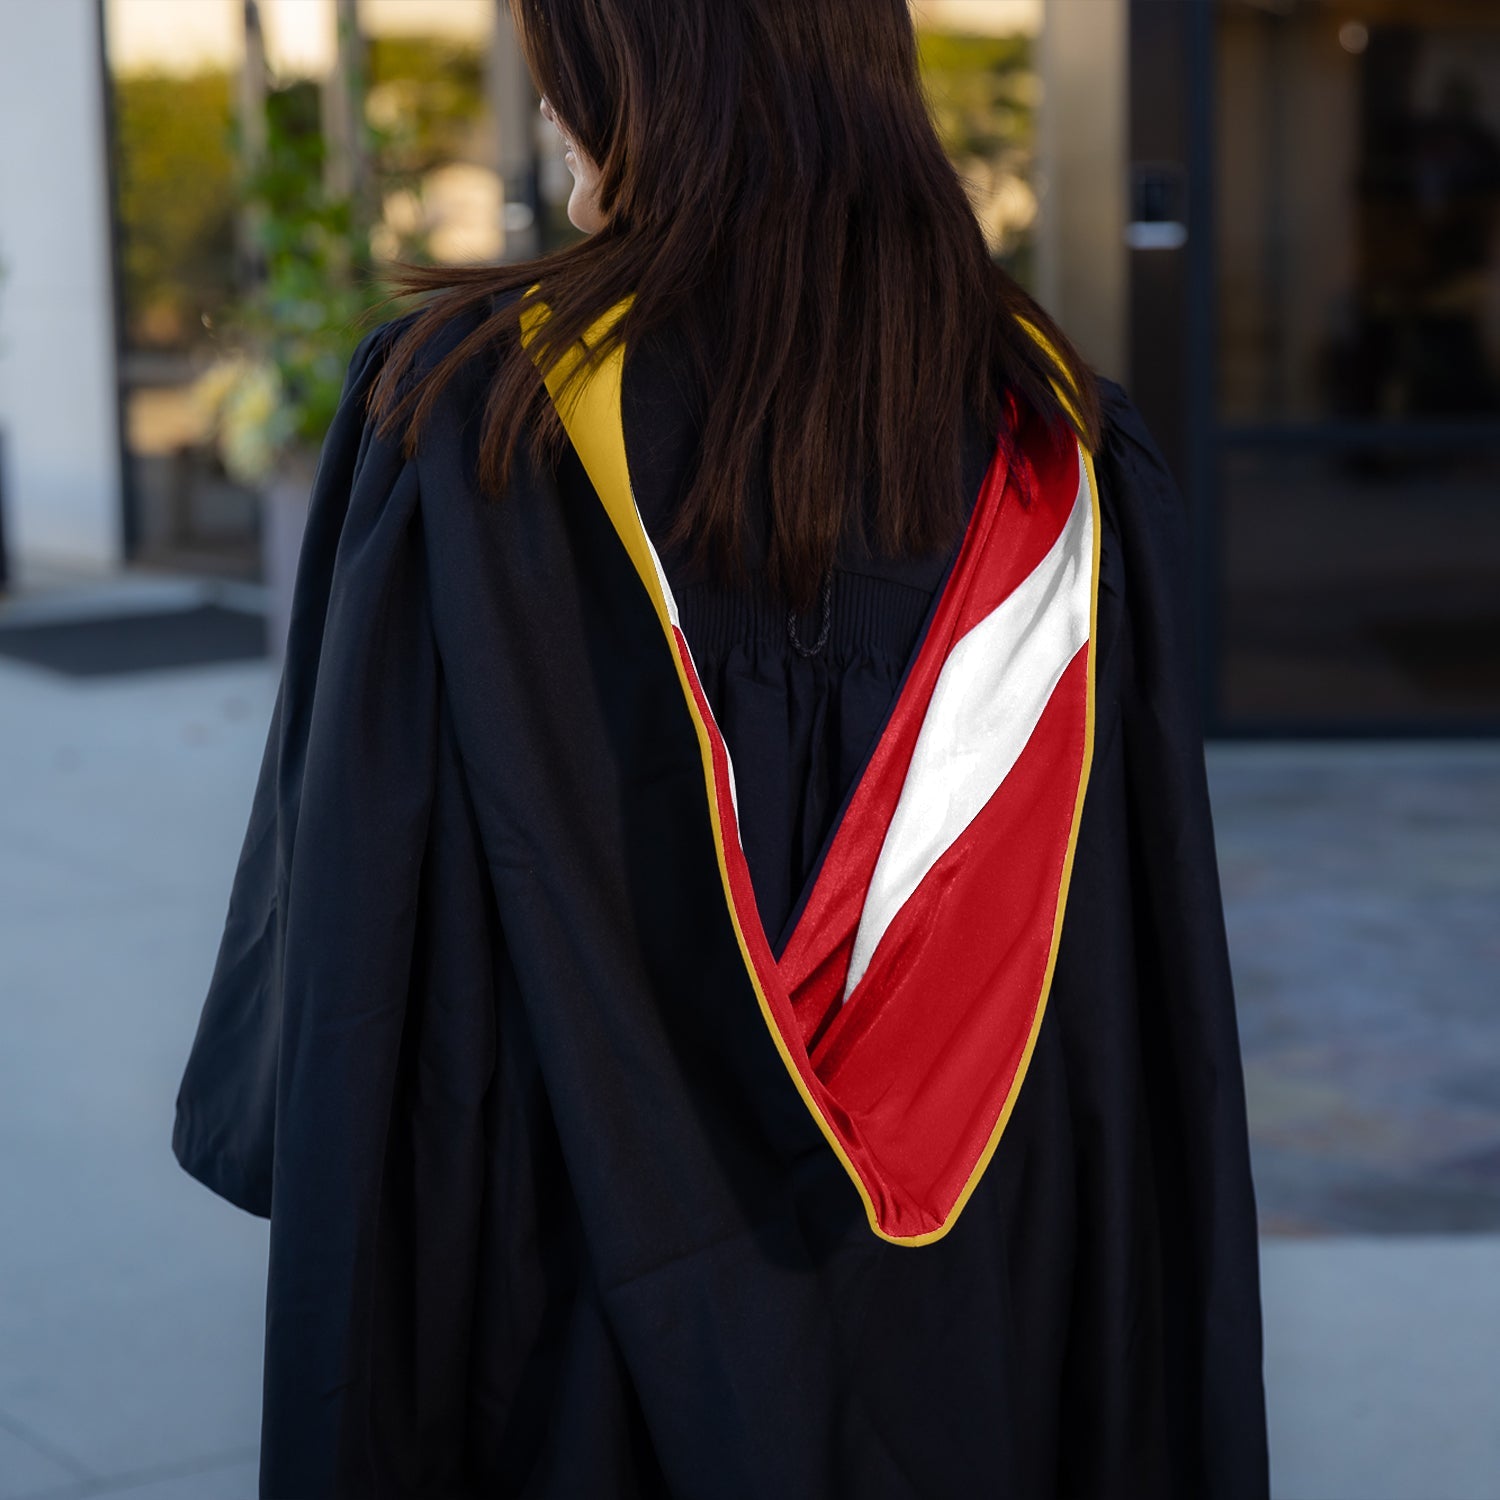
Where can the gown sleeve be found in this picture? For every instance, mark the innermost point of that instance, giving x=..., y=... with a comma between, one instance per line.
x=345, y=1058
x=322, y=894
x=1194, y=1081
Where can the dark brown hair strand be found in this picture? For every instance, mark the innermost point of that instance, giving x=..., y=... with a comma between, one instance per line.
x=776, y=191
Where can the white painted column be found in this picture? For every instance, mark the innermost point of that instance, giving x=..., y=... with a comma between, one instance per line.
x=58, y=403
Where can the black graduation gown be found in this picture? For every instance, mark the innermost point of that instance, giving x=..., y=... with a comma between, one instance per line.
x=548, y=1216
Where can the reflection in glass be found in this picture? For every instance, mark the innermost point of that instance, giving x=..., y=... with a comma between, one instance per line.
x=1359, y=210
x=1358, y=442
x=979, y=69
x=1360, y=587
x=178, y=88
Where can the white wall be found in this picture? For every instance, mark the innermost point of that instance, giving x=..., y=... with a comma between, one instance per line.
x=62, y=481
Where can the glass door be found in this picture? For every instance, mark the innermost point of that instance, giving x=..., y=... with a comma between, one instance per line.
x=1356, y=447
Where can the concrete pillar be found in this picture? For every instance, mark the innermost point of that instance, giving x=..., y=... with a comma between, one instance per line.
x=514, y=103
x=58, y=384
x=1082, y=262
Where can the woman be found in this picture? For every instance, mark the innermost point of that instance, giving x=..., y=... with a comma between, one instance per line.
x=725, y=991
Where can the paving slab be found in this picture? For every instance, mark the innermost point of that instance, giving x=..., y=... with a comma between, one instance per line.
x=1361, y=889
x=1383, y=1367
x=231, y=1477
x=28, y=1464
x=131, y=1300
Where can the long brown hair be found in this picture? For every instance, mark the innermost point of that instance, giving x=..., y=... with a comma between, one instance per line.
x=773, y=188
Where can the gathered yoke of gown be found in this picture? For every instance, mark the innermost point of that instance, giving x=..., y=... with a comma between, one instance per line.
x=800, y=707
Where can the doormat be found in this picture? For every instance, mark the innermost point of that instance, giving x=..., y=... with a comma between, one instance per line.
x=113, y=645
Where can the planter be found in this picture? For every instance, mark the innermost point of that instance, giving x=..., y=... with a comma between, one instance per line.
x=4, y=556
x=284, y=504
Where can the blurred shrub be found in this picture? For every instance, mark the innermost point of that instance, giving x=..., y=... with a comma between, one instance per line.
x=288, y=340
x=426, y=99
x=175, y=168
x=983, y=93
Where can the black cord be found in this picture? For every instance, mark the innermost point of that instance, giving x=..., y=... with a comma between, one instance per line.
x=791, y=621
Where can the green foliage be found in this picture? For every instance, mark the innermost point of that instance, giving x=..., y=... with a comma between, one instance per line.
x=981, y=90
x=285, y=341
x=315, y=282
x=427, y=98
x=175, y=168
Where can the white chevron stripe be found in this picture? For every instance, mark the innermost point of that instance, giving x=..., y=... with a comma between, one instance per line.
x=985, y=706
x=671, y=604
x=661, y=572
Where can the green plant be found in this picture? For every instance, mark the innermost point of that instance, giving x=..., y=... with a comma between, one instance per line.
x=982, y=91
x=271, y=399
x=427, y=98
